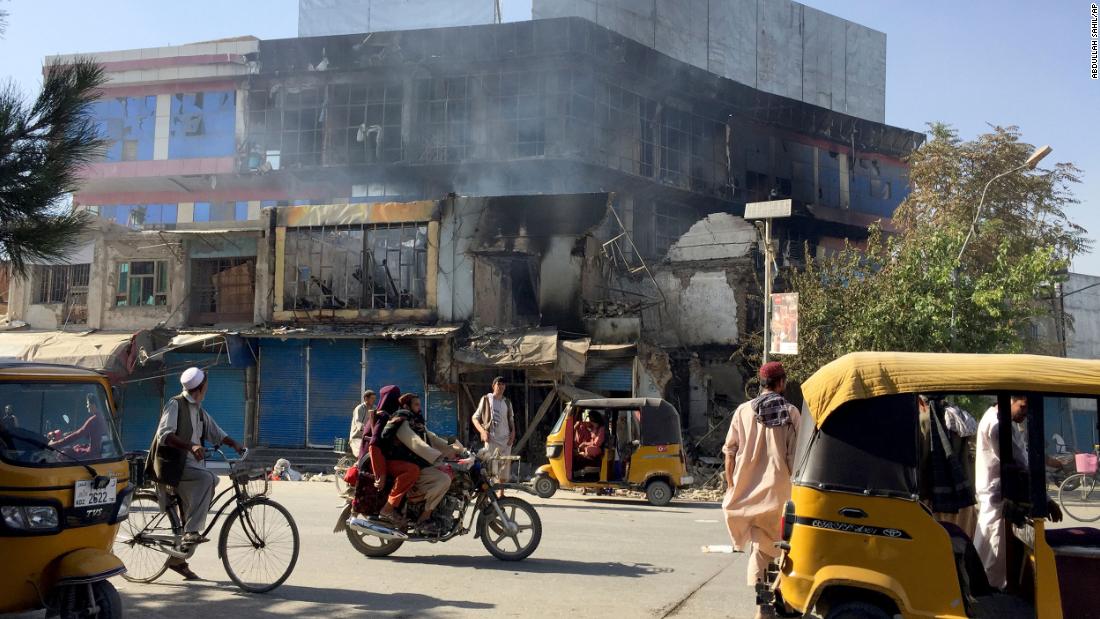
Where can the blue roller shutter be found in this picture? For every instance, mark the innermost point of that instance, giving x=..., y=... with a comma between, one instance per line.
x=335, y=387
x=395, y=363
x=140, y=413
x=442, y=412
x=608, y=376
x=282, y=416
x=225, y=395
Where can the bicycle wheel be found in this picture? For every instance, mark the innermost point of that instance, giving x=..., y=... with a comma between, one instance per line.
x=1079, y=498
x=342, y=466
x=143, y=562
x=259, y=545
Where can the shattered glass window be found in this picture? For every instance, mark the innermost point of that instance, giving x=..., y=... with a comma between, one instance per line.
x=359, y=267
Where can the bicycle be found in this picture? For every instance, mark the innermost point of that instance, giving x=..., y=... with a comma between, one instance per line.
x=258, y=543
x=1079, y=495
x=345, y=462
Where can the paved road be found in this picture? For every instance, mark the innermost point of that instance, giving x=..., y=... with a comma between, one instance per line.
x=598, y=556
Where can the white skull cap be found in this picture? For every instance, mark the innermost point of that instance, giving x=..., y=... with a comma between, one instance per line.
x=191, y=378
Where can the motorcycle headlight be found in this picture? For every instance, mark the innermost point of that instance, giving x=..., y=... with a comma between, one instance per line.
x=30, y=517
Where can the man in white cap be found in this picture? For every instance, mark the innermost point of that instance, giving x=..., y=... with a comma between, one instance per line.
x=184, y=425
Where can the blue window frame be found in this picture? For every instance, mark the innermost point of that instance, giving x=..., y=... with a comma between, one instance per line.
x=202, y=211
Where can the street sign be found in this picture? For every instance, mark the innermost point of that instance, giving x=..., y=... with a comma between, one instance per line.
x=784, y=324
x=768, y=210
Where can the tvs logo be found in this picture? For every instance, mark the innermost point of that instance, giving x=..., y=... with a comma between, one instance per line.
x=892, y=533
x=662, y=449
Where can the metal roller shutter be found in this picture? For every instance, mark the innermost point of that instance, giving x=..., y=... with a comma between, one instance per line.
x=335, y=387
x=225, y=395
x=394, y=363
x=140, y=413
x=282, y=416
x=611, y=377
x=442, y=412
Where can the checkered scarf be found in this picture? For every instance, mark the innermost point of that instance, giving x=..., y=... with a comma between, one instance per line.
x=771, y=409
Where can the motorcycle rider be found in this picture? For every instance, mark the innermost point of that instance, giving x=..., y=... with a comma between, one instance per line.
x=406, y=438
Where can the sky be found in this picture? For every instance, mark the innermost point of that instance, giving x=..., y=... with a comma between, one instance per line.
x=969, y=64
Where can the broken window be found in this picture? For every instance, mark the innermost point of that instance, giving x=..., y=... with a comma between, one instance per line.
x=358, y=267
x=142, y=283
x=222, y=290
x=285, y=124
x=444, y=118
x=203, y=124
x=57, y=282
x=127, y=124
x=880, y=189
x=519, y=117
x=670, y=222
x=138, y=215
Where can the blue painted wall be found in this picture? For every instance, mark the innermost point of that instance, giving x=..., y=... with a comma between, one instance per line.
x=123, y=119
x=203, y=125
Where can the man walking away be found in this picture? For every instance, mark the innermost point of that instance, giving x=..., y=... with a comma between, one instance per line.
x=990, y=537
x=759, y=452
x=361, y=417
x=495, y=423
x=184, y=425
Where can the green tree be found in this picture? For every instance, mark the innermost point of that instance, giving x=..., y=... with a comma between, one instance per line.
x=43, y=146
x=906, y=291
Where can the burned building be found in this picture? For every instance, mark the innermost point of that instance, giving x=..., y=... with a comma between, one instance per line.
x=550, y=199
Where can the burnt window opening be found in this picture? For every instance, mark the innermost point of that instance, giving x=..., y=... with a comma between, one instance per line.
x=356, y=267
x=286, y=125
x=506, y=290
x=222, y=290
x=66, y=284
x=518, y=121
x=757, y=186
x=444, y=117
x=880, y=189
x=670, y=222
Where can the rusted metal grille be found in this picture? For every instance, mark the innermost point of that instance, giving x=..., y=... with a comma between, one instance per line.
x=55, y=281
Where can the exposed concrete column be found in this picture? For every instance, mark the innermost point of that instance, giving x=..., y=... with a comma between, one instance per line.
x=99, y=283
x=163, y=127
x=251, y=409
x=845, y=196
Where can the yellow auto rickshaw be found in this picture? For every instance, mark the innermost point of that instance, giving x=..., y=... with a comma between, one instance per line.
x=64, y=487
x=860, y=537
x=603, y=444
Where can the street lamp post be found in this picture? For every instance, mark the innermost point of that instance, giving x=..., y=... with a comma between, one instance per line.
x=768, y=211
x=1032, y=161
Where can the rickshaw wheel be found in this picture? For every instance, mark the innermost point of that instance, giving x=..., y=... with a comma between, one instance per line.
x=857, y=610
x=658, y=492
x=546, y=486
x=75, y=603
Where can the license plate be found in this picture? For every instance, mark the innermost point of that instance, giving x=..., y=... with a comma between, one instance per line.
x=86, y=495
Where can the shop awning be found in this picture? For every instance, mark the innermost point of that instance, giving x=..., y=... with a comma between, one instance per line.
x=180, y=341
x=109, y=352
x=367, y=332
x=513, y=349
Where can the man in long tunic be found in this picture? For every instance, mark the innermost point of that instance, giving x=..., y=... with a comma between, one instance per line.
x=759, y=453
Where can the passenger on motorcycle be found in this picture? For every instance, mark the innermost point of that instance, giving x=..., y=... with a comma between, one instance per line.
x=406, y=439
x=404, y=473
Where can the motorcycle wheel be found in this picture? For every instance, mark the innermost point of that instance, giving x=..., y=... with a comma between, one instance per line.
x=524, y=535
x=372, y=546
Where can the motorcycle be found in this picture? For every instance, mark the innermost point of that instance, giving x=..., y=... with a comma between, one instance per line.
x=509, y=527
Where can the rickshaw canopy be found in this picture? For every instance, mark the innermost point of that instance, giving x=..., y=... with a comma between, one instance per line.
x=864, y=375
x=660, y=423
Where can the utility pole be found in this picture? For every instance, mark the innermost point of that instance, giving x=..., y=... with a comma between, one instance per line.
x=767, y=211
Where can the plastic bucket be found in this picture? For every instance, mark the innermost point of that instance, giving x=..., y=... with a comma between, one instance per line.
x=1086, y=463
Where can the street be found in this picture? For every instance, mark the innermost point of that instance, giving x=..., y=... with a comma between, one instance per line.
x=598, y=556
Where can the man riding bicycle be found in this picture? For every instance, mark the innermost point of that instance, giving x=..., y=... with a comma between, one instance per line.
x=176, y=458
